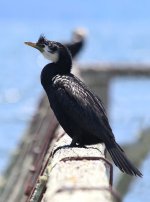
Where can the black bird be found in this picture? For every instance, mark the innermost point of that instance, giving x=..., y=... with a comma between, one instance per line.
x=79, y=111
x=77, y=43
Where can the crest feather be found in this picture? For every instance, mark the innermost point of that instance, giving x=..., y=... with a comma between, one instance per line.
x=41, y=39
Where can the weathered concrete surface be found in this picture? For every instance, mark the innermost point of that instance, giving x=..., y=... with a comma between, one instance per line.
x=67, y=177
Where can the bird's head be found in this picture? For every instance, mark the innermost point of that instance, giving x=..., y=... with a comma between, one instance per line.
x=49, y=49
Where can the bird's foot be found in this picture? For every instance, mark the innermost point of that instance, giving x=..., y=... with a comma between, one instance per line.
x=90, y=147
x=60, y=147
x=73, y=144
x=79, y=146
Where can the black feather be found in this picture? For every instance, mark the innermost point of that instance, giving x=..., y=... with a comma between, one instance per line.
x=79, y=111
x=41, y=39
x=121, y=160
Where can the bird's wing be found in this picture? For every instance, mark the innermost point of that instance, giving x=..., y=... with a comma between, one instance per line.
x=81, y=105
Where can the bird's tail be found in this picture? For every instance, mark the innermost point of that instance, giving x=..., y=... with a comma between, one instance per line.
x=120, y=159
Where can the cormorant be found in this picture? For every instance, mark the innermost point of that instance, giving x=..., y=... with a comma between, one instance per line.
x=77, y=43
x=79, y=111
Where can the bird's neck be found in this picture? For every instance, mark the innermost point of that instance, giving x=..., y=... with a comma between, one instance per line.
x=51, y=70
x=61, y=67
x=64, y=63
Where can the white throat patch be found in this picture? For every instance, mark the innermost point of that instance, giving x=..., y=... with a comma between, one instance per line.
x=54, y=57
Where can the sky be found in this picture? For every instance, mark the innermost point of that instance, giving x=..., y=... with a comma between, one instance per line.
x=120, y=25
x=135, y=10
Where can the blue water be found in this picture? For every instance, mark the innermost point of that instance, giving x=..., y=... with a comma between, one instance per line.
x=118, y=31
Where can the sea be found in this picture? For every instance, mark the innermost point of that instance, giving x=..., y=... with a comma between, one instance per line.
x=117, y=32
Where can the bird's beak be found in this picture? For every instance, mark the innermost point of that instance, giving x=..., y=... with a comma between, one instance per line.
x=34, y=45
x=31, y=44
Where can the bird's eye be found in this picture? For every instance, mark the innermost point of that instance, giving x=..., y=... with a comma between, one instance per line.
x=53, y=48
x=46, y=43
